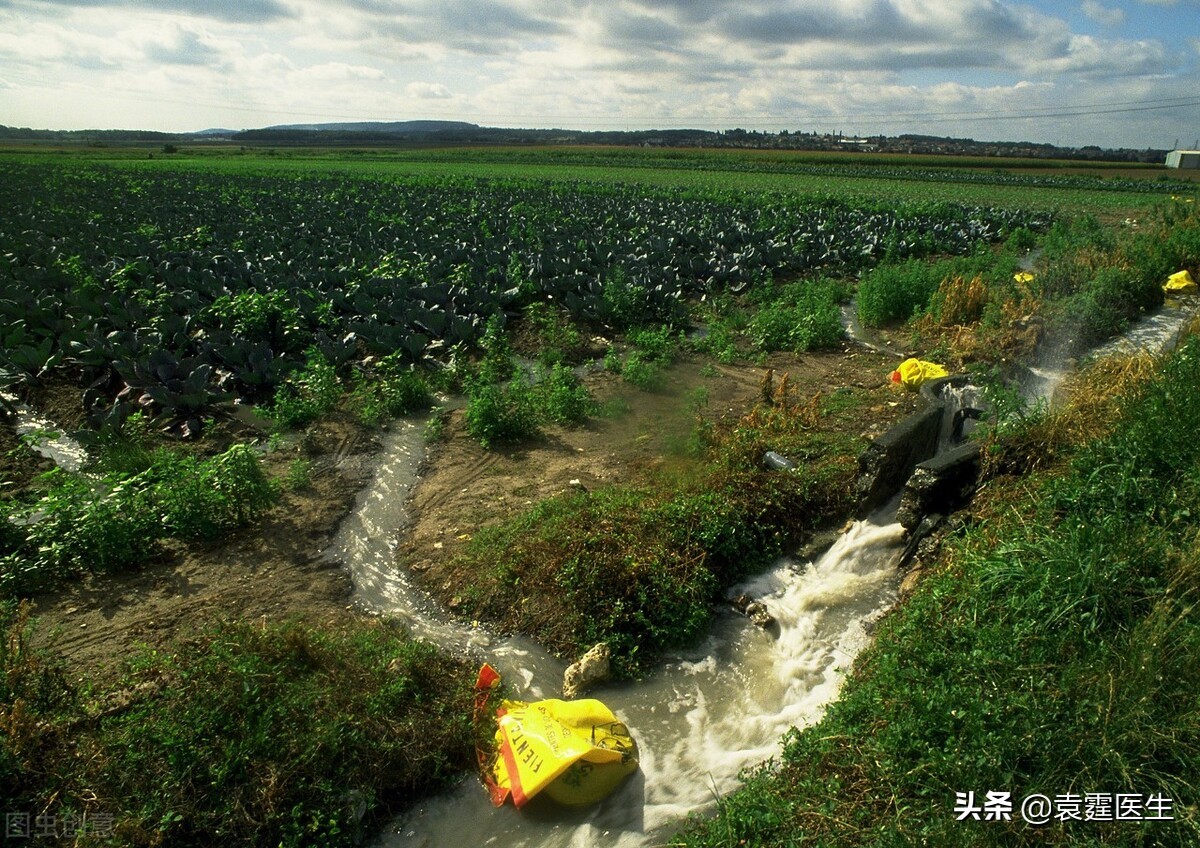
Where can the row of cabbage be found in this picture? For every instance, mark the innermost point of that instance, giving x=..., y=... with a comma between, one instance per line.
x=175, y=290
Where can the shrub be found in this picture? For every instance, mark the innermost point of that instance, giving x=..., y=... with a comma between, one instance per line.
x=562, y=398
x=1110, y=300
x=625, y=304
x=897, y=292
x=501, y=412
x=391, y=390
x=803, y=316
x=78, y=526
x=307, y=394
x=203, y=498
x=557, y=338
x=641, y=371
x=657, y=345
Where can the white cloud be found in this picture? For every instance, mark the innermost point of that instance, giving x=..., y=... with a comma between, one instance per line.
x=427, y=91
x=1103, y=14
x=182, y=45
x=871, y=65
x=336, y=72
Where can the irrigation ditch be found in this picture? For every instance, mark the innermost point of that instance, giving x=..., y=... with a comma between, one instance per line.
x=710, y=712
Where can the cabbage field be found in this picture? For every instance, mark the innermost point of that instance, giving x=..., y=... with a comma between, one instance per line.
x=192, y=679
x=170, y=291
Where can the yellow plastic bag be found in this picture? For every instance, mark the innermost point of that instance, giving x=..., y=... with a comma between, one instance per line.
x=913, y=372
x=1181, y=283
x=576, y=751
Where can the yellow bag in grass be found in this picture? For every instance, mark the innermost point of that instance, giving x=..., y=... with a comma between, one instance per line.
x=577, y=752
x=1181, y=282
x=913, y=372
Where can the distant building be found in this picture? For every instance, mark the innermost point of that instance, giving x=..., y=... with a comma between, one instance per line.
x=1183, y=159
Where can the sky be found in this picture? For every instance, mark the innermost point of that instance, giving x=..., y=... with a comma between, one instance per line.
x=1115, y=74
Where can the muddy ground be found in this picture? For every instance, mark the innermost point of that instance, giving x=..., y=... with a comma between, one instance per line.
x=276, y=569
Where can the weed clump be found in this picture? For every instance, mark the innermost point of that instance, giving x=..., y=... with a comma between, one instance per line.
x=237, y=734
x=78, y=526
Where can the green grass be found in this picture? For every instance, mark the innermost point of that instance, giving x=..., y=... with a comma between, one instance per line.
x=236, y=734
x=1051, y=652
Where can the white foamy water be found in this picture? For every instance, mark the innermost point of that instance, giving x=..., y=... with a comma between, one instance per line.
x=707, y=714
x=1156, y=332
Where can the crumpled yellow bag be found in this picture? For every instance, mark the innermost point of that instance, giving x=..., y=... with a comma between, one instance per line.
x=1181, y=282
x=913, y=372
x=577, y=752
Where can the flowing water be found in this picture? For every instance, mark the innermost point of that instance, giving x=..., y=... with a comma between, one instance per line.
x=45, y=438
x=1156, y=332
x=704, y=716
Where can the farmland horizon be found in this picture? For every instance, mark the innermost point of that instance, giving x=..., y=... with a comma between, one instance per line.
x=449, y=132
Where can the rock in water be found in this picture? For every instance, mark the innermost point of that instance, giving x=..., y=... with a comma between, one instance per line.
x=757, y=612
x=587, y=671
x=754, y=610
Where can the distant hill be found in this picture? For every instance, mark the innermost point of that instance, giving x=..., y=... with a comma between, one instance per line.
x=396, y=127
x=435, y=133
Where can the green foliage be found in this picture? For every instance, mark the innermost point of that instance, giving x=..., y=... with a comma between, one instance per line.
x=1080, y=233
x=243, y=735
x=1110, y=300
x=637, y=567
x=307, y=394
x=642, y=371
x=204, y=498
x=390, y=390
x=660, y=344
x=126, y=449
x=1020, y=240
x=626, y=304
x=504, y=404
x=339, y=725
x=35, y=696
x=558, y=339
x=435, y=428
x=74, y=529
x=897, y=292
x=562, y=398
x=270, y=316
x=299, y=474
x=498, y=363
x=802, y=316
x=501, y=412
x=79, y=526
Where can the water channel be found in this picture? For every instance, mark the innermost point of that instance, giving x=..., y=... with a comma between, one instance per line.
x=706, y=715
x=698, y=721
